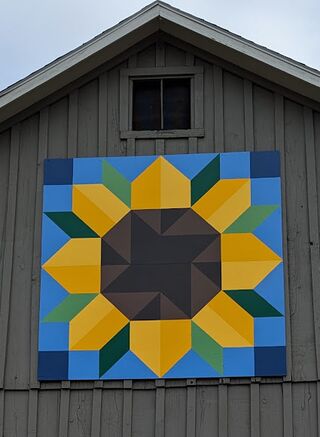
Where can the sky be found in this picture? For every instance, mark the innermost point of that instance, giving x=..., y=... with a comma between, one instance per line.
x=35, y=32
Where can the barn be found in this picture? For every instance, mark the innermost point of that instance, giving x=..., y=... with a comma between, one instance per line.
x=94, y=102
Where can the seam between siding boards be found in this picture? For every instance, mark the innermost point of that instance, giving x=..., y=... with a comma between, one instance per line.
x=313, y=226
x=36, y=268
x=280, y=145
x=10, y=227
x=127, y=409
x=160, y=408
x=218, y=109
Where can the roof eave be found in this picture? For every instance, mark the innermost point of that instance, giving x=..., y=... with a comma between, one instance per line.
x=78, y=62
x=245, y=54
x=159, y=16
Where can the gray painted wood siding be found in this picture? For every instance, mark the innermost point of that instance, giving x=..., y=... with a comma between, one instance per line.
x=240, y=113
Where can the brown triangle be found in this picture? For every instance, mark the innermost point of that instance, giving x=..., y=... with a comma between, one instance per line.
x=170, y=216
x=169, y=311
x=202, y=290
x=152, y=217
x=110, y=273
x=211, y=270
x=119, y=238
x=151, y=311
x=109, y=256
x=211, y=253
x=190, y=223
x=132, y=303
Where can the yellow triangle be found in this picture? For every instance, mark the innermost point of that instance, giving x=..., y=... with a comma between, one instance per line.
x=175, y=187
x=145, y=343
x=160, y=343
x=245, y=275
x=146, y=188
x=224, y=202
x=97, y=206
x=95, y=325
x=246, y=260
x=175, y=341
x=245, y=247
x=218, y=329
x=76, y=266
x=234, y=315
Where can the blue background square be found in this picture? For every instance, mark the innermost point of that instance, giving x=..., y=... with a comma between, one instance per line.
x=57, y=198
x=58, y=171
x=53, y=365
x=266, y=191
x=87, y=171
x=270, y=361
x=269, y=331
x=265, y=164
x=235, y=165
x=53, y=336
x=238, y=361
x=84, y=365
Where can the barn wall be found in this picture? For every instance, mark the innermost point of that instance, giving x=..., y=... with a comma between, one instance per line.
x=240, y=114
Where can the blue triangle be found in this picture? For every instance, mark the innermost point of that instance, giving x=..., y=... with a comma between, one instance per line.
x=129, y=367
x=270, y=232
x=190, y=165
x=272, y=288
x=192, y=366
x=53, y=238
x=52, y=294
x=131, y=166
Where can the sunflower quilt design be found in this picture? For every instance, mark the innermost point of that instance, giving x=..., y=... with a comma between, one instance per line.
x=162, y=267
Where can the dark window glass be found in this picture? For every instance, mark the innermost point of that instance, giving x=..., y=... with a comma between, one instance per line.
x=176, y=104
x=146, y=105
x=161, y=104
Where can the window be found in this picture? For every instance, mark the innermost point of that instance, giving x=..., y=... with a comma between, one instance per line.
x=176, y=104
x=146, y=105
x=161, y=102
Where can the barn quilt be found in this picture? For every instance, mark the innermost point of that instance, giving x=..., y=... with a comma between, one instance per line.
x=162, y=267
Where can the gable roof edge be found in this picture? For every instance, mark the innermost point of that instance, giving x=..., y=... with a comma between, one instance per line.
x=260, y=60
x=156, y=16
x=144, y=23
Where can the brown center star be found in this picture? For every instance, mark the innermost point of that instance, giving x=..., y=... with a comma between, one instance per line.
x=161, y=264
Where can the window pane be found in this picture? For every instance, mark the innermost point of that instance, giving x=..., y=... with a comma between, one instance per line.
x=176, y=104
x=146, y=105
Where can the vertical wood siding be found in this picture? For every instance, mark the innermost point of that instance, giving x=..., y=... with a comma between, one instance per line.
x=238, y=115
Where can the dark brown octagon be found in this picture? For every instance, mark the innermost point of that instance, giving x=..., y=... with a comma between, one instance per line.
x=161, y=264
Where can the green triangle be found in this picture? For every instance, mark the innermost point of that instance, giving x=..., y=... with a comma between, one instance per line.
x=253, y=303
x=204, y=180
x=71, y=224
x=207, y=348
x=116, y=183
x=251, y=219
x=69, y=307
x=114, y=350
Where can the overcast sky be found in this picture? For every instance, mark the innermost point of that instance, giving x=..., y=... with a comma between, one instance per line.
x=35, y=32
